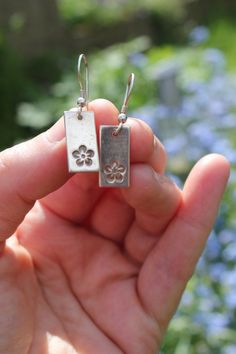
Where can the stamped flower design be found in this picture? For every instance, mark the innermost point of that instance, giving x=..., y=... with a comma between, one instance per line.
x=83, y=156
x=114, y=172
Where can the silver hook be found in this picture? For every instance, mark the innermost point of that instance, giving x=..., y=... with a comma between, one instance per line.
x=84, y=86
x=129, y=89
x=122, y=117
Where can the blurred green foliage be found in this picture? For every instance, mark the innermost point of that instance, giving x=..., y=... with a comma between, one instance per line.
x=223, y=36
x=110, y=11
x=11, y=92
x=109, y=70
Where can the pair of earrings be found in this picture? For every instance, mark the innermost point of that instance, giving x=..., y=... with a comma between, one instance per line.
x=82, y=149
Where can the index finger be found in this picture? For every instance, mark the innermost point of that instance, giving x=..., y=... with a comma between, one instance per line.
x=28, y=172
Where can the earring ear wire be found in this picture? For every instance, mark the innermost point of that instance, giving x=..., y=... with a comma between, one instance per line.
x=122, y=117
x=82, y=100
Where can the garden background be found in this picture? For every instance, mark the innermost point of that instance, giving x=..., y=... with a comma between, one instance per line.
x=183, y=53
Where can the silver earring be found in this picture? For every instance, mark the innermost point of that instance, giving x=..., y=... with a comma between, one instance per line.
x=82, y=148
x=115, y=148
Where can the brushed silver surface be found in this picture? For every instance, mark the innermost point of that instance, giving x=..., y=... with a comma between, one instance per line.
x=82, y=148
x=114, y=157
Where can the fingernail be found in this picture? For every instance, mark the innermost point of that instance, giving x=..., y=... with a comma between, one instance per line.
x=56, y=132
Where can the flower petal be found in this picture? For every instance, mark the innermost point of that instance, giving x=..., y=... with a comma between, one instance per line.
x=82, y=149
x=80, y=162
x=121, y=169
x=107, y=170
x=114, y=166
x=88, y=161
x=76, y=154
x=110, y=178
x=119, y=177
x=90, y=153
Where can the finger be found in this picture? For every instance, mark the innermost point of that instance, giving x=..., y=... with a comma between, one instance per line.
x=144, y=146
x=156, y=200
x=153, y=198
x=111, y=217
x=171, y=263
x=28, y=172
x=77, y=198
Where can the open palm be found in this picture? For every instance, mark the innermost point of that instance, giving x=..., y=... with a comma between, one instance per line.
x=93, y=270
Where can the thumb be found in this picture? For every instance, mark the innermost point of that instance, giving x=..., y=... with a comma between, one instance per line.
x=28, y=172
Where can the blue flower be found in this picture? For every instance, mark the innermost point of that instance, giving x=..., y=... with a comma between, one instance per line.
x=199, y=35
x=230, y=349
x=229, y=279
x=215, y=58
x=230, y=299
x=216, y=322
x=226, y=236
x=229, y=253
x=217, y=271
x=138, y=59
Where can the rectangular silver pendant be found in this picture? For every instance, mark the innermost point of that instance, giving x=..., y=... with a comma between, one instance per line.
x=114, y=157
x=82, y=148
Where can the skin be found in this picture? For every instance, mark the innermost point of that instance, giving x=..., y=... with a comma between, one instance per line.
x=90, y=270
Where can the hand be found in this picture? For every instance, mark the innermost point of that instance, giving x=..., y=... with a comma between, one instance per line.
x=93, y=270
